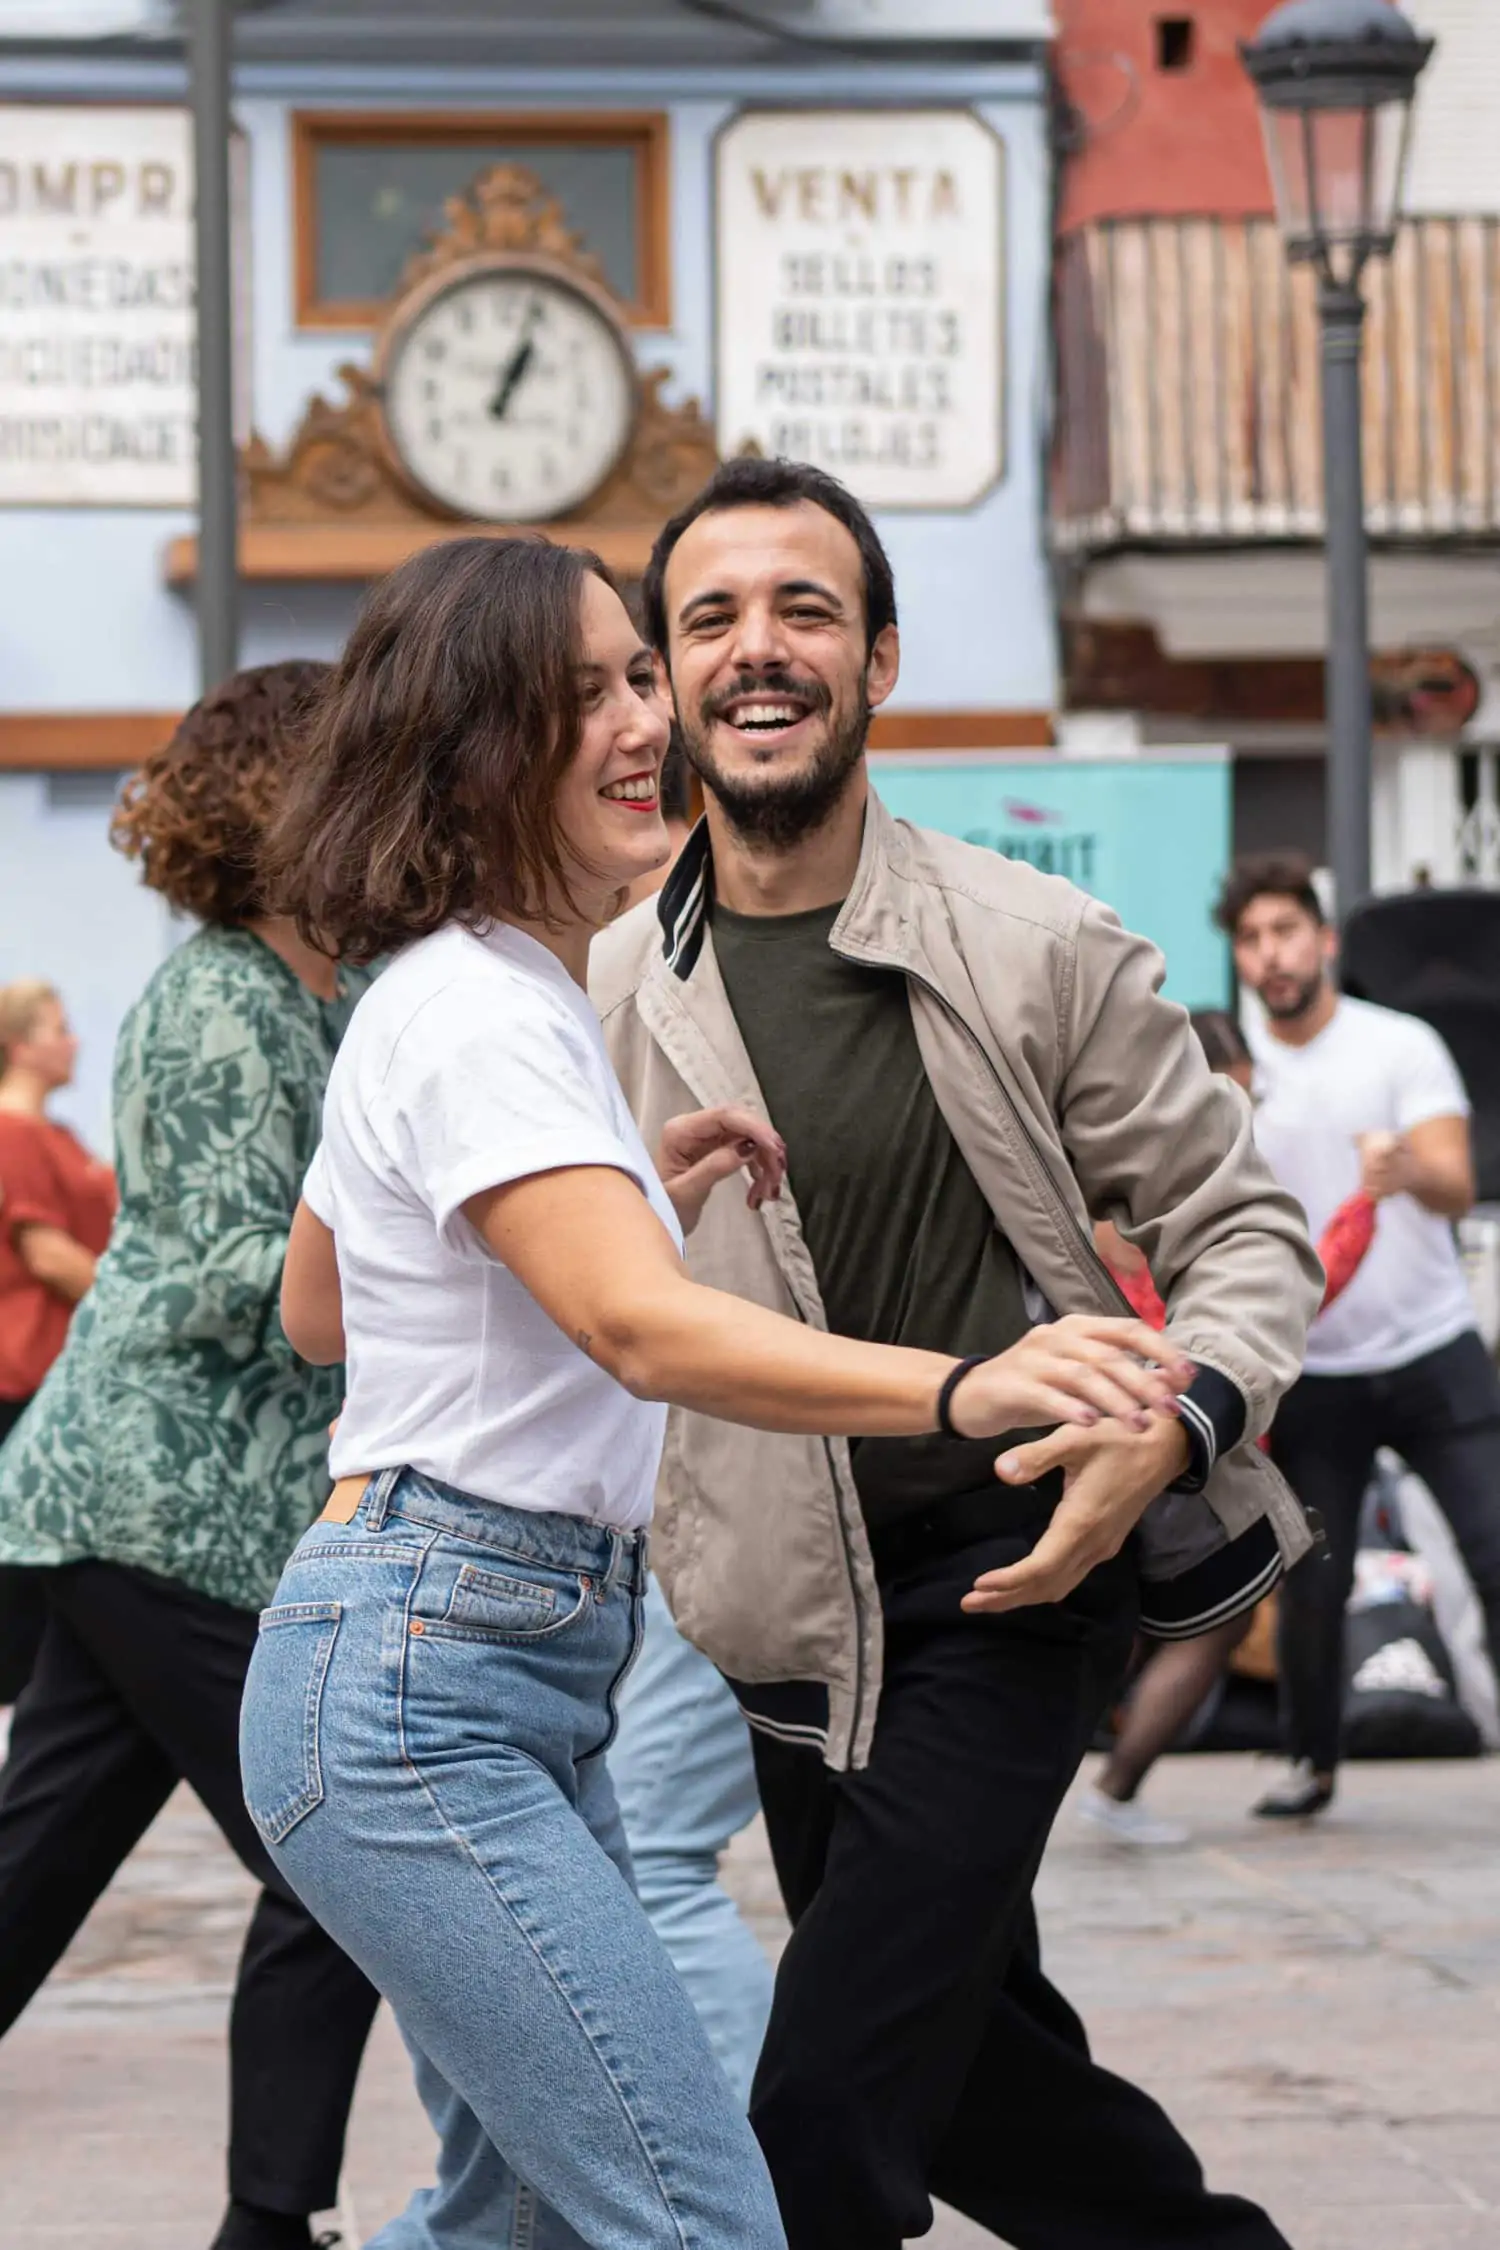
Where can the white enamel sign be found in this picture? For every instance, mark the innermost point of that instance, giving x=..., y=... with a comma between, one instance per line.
x=860, y=298
x=96, y=307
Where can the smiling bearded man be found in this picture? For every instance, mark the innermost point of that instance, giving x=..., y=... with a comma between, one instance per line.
x=968, y=1061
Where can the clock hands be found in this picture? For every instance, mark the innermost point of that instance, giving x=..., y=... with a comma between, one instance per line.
x=516, y=366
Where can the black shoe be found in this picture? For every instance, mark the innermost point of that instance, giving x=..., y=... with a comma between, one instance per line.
x=1302, y=1795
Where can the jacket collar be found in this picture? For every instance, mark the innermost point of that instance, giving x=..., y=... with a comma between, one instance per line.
x=682, y=904
x=865, y=924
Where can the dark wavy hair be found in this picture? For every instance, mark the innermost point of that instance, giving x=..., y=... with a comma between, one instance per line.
x=426, y=792
x=1267, y=875
x=196, y=813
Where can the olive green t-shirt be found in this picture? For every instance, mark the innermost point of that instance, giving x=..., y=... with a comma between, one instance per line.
x=904, y=1246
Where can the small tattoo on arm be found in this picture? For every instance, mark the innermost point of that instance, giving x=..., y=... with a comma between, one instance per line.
x=585, y=1342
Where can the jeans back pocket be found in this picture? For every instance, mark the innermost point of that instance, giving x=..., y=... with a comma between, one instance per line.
x=281, y=1764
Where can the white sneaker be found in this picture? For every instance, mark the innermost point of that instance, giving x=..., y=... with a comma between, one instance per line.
x=1130, y=1823
x=1300, y=1796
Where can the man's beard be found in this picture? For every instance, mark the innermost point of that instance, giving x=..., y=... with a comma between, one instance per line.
x=779, y=809
x=1287, y=1011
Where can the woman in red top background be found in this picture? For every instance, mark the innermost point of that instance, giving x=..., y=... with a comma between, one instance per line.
x=57, y=1204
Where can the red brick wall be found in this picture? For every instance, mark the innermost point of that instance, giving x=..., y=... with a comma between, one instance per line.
x=1154, y=142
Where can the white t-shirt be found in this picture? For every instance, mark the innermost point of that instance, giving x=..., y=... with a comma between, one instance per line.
x=1369, y=1070
x=473, y=1061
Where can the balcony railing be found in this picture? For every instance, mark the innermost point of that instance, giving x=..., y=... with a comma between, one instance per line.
x=1188, y=398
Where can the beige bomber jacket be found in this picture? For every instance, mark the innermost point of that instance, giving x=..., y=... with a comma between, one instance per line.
x=1073, y=1090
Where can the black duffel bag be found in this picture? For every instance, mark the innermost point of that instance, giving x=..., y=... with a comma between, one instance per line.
x=1401, y=1699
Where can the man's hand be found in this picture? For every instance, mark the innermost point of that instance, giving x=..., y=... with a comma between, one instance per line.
x=1385, y=1165
x=1433, y=1162
x=710, y=1145
x=1110, y=1474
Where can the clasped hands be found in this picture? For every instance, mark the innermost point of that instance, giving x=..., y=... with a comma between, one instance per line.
x=1110, y=1385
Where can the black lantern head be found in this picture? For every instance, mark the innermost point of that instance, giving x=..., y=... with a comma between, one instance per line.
x=1335, y=80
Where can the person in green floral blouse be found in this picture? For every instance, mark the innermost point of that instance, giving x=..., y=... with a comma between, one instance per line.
x=177, y=1451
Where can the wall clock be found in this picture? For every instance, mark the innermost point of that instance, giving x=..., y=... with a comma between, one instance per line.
x=502, y=389
x=508, y=389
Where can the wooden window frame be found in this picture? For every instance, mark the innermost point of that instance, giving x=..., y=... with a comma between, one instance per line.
x=645, y=131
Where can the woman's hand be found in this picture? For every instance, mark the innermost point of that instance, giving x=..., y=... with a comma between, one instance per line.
x=705, y=1147
x=1076, y=1370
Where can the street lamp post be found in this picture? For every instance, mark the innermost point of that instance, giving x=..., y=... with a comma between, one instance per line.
x=1335, y=79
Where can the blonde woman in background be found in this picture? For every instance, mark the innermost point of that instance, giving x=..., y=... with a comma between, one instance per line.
x=57, y=1201
x=57, y=1204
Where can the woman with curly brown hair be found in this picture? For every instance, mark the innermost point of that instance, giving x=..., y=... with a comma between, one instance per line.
x=175, y=1452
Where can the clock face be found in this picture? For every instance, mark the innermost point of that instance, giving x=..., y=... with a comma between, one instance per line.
x=509, y=396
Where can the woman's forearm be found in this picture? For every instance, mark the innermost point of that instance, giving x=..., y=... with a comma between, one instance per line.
x=721, y=1355
x=312, y=1299
x=586, y=1244
x=52, y=1257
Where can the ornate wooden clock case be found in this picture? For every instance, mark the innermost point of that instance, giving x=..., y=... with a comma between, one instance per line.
x=501, y=393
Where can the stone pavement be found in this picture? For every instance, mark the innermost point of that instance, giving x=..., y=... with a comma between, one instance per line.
x=1320, y=2010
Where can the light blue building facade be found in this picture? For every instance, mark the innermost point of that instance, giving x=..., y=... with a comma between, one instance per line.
x=91, y=633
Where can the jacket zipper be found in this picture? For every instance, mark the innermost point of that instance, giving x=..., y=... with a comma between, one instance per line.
x=856, y=1602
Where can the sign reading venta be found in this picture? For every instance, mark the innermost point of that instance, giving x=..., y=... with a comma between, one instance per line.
x=97, y=401
x=860, y=298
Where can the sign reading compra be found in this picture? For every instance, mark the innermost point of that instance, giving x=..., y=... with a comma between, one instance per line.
x=96, y=307
x=1149, y=836
x=860, y=298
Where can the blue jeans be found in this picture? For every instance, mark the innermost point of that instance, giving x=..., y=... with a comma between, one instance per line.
x=685, y=1776
x=422, y=1745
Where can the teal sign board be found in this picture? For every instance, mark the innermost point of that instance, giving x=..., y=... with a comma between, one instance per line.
x=1149, y=836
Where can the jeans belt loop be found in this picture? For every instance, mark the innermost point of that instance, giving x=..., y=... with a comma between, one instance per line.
x=611, y=1568
x=625, y=1566
x=376, y=1506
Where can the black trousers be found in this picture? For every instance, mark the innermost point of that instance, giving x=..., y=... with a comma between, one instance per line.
x=915, y=2047
x=138, y=1686
x=1442, y=1415
x=23, y=1611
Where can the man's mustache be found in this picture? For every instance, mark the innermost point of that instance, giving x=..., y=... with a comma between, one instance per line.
x=811, y=694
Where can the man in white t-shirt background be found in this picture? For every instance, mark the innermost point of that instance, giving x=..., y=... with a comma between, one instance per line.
x=1353, y=1096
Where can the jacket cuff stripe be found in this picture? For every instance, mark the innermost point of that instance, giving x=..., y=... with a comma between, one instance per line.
x=1214, y=1415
